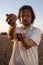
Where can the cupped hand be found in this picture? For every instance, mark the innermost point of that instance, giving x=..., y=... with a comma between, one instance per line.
x=11, y=19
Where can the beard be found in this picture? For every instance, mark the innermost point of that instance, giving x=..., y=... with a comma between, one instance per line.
x=26, y=23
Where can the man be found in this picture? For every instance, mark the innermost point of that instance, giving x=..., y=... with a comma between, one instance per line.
x=26, y=38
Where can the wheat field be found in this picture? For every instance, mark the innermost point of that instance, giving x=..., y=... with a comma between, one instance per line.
x=6, y=49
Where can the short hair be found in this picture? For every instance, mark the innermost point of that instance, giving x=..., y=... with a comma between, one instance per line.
x=29, y=8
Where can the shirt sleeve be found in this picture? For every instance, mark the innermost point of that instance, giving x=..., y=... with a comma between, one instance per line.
x=36, y=36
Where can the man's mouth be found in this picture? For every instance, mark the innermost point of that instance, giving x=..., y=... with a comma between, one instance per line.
x=26, y=23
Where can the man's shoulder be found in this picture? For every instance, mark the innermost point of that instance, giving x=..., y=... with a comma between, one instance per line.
x=36, y=29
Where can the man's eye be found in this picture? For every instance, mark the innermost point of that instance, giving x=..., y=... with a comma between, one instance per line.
x=22, y=16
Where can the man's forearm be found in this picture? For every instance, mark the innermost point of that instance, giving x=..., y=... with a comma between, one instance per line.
x=11, y=32
x=28, y=43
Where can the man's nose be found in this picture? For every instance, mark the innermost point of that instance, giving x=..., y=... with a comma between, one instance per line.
x=25, y=17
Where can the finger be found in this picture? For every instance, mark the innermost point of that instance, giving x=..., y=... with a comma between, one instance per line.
x=7, y=16
x=12, y=21
x=10, y=17
x=23, y=35
x=19, y=37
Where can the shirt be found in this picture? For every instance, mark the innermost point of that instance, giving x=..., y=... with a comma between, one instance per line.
x=23, y=56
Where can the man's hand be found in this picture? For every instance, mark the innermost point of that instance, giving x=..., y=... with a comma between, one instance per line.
x=20, y=37
x=11, y=19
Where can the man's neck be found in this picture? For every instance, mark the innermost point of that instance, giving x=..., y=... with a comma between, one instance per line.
x=26, y=27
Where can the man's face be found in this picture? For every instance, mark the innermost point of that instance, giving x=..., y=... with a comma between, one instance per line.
x=26, y=17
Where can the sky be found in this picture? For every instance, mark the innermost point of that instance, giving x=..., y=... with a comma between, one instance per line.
x=12, y=6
